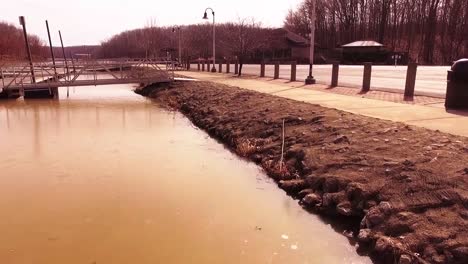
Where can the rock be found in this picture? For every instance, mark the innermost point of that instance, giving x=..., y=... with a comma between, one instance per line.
x=363, y=223
x=445, y=140
x=370, y=204
x=431, y=253
x=439, y=259
x=297, y=153
x=464, y=214
x=327, y=200
x=354, y=191
x=305, y=192
x=291, y=186
x=331, y=185
x=311, y=199
x=184, y=107
x=408, y=163
x=428, y=148
x=385, y=207
x=341, y=139
x=382, y=245
x=405, y=216
x=267, y=133
x=393, y=129
x=344, y=208
x=364, y=235
x=330, y=200
x=315, y=182
x=405, y=259
x=461, y=254
x=374, y=217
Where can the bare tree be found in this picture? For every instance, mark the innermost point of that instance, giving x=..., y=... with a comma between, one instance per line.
x=12, y=43
x=242, y=38
x=432, y=31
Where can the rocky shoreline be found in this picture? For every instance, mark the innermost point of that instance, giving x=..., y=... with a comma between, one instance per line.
x=404, y=187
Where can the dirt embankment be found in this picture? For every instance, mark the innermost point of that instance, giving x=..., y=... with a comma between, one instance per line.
x=406, y=185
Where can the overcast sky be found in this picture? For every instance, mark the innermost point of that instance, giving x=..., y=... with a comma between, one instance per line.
x=92, y=21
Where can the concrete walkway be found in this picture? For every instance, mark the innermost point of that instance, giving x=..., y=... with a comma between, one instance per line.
x=431, y=117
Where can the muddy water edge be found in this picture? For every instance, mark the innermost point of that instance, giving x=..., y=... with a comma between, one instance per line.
x=108, y=176
x=403, y=188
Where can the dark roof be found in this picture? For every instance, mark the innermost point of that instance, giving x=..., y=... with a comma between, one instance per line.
x=293, y=37
x=363, y=43
x=284, y=34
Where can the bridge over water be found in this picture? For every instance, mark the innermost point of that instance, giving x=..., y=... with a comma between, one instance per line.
x=44, y=78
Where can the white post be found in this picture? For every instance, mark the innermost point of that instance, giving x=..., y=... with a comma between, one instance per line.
x=310, y=79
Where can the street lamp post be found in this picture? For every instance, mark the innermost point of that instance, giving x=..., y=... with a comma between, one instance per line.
x=310, y=79
x=180, y=47
x=205, y=16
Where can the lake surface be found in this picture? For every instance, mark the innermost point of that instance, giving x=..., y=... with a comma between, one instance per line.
x=107, y=176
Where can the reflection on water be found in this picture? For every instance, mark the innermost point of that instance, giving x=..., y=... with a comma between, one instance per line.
x=107, y=176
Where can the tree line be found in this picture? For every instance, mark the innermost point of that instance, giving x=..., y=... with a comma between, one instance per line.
x=431, y=31
x=12, y=45
x=236, y=39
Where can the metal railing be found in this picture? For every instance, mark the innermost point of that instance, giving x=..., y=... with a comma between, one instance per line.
x=85, y=72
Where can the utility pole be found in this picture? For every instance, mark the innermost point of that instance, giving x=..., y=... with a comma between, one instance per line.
x=51, y=49
x=28, y=49
x=310, y=79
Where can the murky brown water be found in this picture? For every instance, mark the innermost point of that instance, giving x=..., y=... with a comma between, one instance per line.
x=108, y=177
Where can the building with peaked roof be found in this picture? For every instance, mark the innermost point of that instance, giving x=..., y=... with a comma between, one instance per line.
x=284, y=45
x=364, y=51
x=363, y=43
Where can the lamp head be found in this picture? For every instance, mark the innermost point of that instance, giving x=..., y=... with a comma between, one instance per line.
x=205, y=16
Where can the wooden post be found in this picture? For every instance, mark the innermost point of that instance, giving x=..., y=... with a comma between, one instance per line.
x=293, y=71
x=220, y=70
x=366, y=82
x=208, y=68
x=73, y=62
x=277, y=65
x=28, y=49
x=262, y=69
x=198, y=65
x=228, y=66
x=188, y=64
x=51, y=49
x=64, y=56
x=203, y=65
x=236, y=67
x=335, y=72
x=410, y=79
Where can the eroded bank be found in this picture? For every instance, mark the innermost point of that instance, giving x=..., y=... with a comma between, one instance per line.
x=406, y=186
